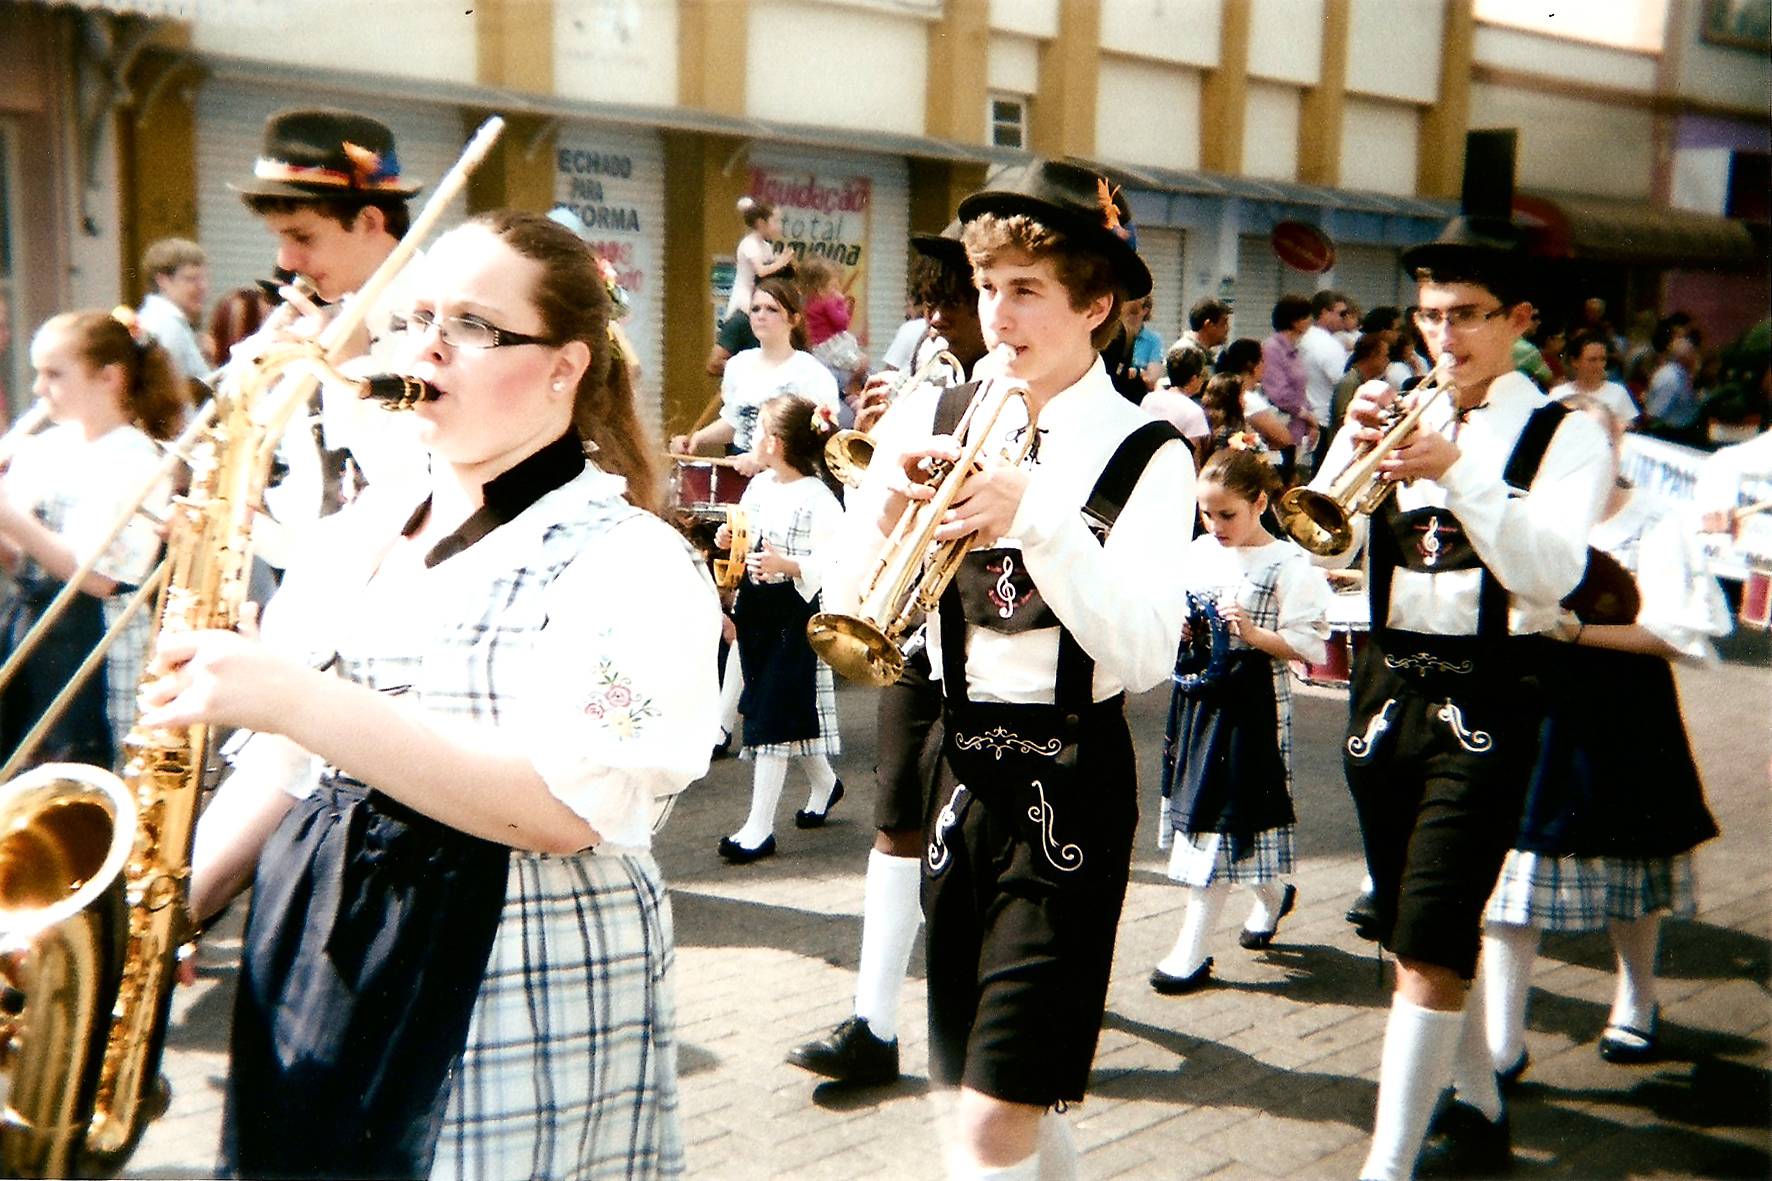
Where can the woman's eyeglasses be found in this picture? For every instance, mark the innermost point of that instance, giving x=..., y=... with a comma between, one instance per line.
x=1463, y=318
x=464, y=332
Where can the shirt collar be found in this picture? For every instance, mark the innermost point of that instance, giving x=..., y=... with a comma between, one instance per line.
x=508, y=494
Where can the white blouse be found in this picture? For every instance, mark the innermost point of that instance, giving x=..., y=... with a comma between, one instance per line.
x=1681, y=601
x=800, y=519
x=1300, y=590
x=751, y=380
x=80, y=488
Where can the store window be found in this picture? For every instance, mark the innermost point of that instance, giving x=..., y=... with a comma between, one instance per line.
x=1009, y=121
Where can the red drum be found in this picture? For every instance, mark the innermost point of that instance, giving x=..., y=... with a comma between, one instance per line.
x=704, y=488
x=1336, y=669
x=1756, y=598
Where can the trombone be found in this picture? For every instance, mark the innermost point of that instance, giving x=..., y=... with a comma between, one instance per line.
x=1323, y=522
x=913, y=569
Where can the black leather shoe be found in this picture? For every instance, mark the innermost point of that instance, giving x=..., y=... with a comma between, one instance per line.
x=723, y=748
x=850, y=1054
x=737, y=854
x=1627, y=1045
x=1363, y=914
x=1510, y=1077
x=1463, y=1143
x=806, y=818
x=1169, y=985
x=1256, y=940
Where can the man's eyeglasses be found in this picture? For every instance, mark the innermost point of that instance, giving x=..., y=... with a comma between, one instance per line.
x=1463, y=318
x=464, y=332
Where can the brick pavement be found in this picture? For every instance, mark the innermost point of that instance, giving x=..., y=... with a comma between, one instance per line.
x=1270, y=1074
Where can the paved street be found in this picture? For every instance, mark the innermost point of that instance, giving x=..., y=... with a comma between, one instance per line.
x=1271, y=1073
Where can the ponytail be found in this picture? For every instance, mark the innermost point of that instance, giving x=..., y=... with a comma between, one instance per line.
x=155, y=395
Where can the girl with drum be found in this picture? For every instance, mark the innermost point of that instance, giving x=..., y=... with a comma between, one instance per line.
x=790, y=700
x=1227, y=776
x=1615, y=805
x=472, y=701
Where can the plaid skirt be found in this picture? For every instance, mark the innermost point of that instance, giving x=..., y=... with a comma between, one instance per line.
x=829, y=742
x=570, y=1068
x=1199, y=859
x=1585, y=893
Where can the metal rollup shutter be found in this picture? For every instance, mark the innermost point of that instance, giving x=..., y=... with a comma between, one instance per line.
x=1261, y=278
x=1162, y=251
x=1368, y=275
x=888, y=230
x=231, y=114
x=614, y=180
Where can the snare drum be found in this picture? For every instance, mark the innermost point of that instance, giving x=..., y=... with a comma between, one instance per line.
x=1756, y=598
x=1349, y=631
x=704, y=488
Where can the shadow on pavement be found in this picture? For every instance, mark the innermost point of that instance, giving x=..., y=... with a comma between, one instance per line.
x=1689, y=951
x=835, y=1096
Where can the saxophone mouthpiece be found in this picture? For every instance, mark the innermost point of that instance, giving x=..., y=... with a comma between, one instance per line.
x=392, y=391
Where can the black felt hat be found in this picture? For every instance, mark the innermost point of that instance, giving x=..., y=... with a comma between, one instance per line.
x=1470, y=244
x=322, y=152
x=945, y=248
x=1076, y=201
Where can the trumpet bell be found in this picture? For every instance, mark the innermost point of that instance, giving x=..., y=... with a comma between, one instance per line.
x=847, y=455
x=855, y=648
x=1315, y=521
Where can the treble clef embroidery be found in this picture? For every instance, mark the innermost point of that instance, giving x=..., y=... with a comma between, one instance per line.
x=1006, y=589
x=944, y=823
x=1069, y=856
x=1362, y=746
x=1475, y=741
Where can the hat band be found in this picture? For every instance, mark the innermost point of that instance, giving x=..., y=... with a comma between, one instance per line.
x=282, y=170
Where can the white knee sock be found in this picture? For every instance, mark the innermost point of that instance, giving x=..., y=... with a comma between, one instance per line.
x=1473, y=1074
x=961, y=1167
x=820, y=780
x=1635, y=943
x=1203, y=906
x=890, y=912
x=771, y=772
x=1056, y=1150
x=1265, y=913
x=1508, y=953
x=731, y=686
x=1419, y=1045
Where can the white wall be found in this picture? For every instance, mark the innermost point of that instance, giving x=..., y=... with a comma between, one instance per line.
x=616, y=51
x=1567, y=61
x=836, y=66
x=428, y=39
x=1572, y=145
x=1147, y=113
x=1394, y=48
x=1030, y=18
x=1270, y=131
x=1286, y=41
x=1625, y=23
x=1722, y=73
x=1014, y=64
x=1378, y=146
x=1185, y=31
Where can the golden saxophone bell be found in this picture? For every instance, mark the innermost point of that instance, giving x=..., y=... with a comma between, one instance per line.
x=848, y=453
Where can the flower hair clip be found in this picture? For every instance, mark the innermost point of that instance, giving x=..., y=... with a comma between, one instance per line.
x=618, y=295
x=1241, y=441
x=824, y=419
x=131, y=323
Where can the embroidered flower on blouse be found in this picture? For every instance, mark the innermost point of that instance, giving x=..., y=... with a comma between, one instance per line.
x=614, y=702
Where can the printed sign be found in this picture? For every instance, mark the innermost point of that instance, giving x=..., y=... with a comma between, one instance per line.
x=599, y=187
x=1303, y=247
x=824, y=215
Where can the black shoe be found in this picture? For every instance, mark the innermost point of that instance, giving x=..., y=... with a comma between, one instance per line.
x=807, y=818
x=737, y=854
x=1463, y=1143
x=1363, y=914
x=1169, y=985
x=850, y=1054
x=1508, y=1078
x=1256, y=940
x=723, y=748
x=1627, y=1045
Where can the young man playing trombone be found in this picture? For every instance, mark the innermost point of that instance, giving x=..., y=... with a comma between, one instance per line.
x=1047, y=625
x=1487, y=530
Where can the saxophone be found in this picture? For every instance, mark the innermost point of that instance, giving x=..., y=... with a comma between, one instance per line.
x=95, y=869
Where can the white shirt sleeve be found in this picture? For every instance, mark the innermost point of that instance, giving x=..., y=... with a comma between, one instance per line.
x=1682, y=604
x=1123, y=601
x=1536, y=544
x=111, y=486
x=1304, y=598
x=827, y=524
x=626, y=704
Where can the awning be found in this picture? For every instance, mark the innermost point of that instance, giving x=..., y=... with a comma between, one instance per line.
x=1600, y=230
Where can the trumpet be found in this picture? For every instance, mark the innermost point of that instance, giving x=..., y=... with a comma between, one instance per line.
x=848, y=453
x=1323, y=522
x=913, y=569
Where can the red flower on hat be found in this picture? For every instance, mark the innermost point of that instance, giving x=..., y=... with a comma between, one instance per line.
x=365, y=163
x=1106, y=196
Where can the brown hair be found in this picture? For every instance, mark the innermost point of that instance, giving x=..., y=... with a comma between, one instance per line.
x=343, y=210
x=573, y=304
x=815, y=274
x=789, y=417
x=1222, y=400
x=787, y=295
x=236, y=316
x=166, y=256
x=154, y=392
x=754, y=210
x=1241, y=472
x=1085, y=274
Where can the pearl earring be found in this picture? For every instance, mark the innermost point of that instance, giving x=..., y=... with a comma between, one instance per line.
x=557, y=387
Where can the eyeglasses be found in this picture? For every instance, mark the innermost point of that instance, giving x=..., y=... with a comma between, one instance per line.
x=464, y=332
x=1463, y=318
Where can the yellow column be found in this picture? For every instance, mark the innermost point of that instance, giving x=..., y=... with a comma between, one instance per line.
x=1225, y=95
x=1320, y=114
x=705, y=175
x=1439, y=170
x=1062, y=121
x=937, y=188
x=713, y=40
x=514, y=50
x=519, y=171
x=514, y=46
x=958, y=73
x=157, y=163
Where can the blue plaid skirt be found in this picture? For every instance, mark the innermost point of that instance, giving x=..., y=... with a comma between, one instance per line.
x=1571, y=894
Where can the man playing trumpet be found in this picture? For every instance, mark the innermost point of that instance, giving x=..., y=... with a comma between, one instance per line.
x=1495, y=493
x=1029, y=832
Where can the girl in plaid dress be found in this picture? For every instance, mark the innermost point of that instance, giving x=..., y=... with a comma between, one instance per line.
x=470, y=706
x=1227, y=774
x=790, y=700
x=1615, y=805
x=111, y=391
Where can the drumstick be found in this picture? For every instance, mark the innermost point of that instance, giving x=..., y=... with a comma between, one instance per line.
x=716, y=460
x=708, y=413
x=1748, y=510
